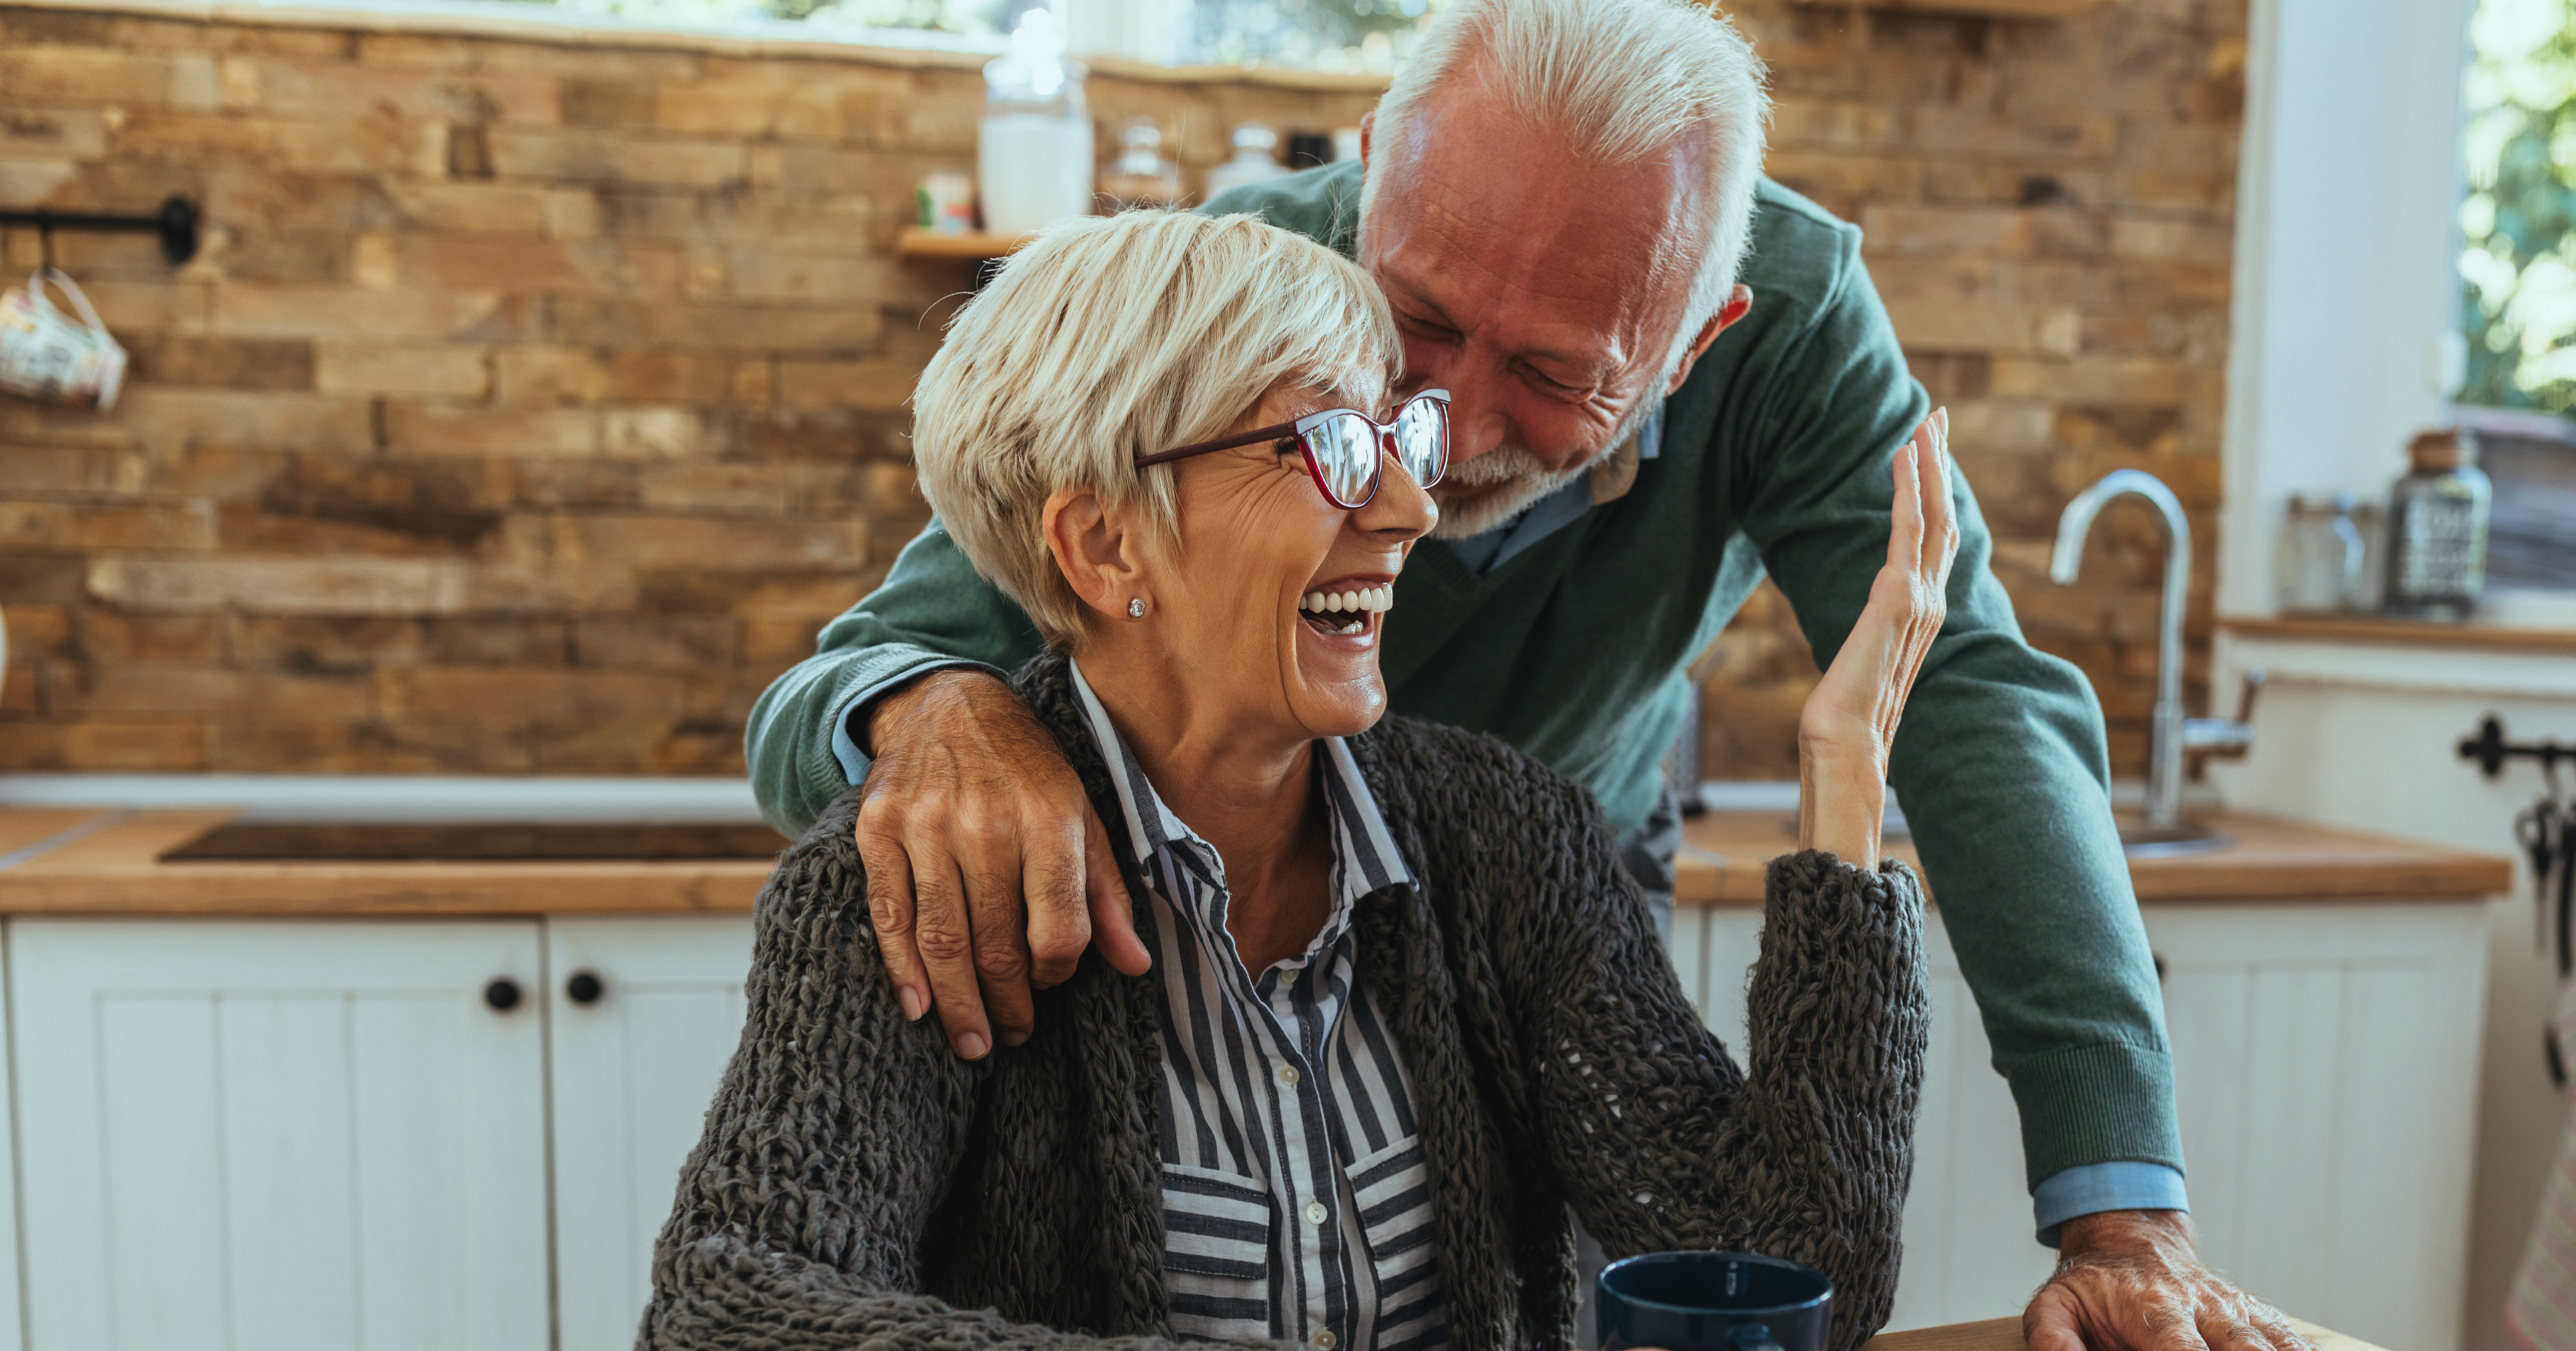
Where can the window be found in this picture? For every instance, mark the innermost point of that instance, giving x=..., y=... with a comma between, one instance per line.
x=1358, y=35
x=2518, y=282
x=1328, y=35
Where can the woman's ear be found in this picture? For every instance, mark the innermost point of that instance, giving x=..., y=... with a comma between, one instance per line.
x=1094, y=549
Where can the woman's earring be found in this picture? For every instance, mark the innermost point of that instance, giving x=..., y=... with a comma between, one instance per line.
x=1136, y=608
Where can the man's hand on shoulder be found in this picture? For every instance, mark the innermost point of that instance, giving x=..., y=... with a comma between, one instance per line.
x=987, y=869
x=2130, y=1280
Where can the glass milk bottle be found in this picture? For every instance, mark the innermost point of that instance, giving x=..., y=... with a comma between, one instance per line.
x=1033, y=148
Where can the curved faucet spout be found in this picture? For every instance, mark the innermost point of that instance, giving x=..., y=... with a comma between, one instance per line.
x=2076, y=522
x=2164, y=763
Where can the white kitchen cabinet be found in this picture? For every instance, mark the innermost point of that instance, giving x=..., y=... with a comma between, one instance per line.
x=2324, y=1057
x=280, y=1135
x=635, y=1065
x=11, y=1311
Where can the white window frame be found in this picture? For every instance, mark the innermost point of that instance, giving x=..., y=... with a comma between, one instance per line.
x=2345, y=317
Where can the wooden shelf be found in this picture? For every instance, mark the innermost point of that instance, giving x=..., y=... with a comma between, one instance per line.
x=2417, y=633
x=916, y=242
x=1985, y=9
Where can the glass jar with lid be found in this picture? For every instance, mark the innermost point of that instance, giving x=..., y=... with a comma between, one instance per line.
x=2324, y=557
x=1256, y=159
x=2437, y=529
x=1140, y=175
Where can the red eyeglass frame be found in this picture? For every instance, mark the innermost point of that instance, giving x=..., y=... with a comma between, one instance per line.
x=1297, y=430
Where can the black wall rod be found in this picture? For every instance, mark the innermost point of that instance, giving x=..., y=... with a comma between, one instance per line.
x=2490, y=750
x=176, y=223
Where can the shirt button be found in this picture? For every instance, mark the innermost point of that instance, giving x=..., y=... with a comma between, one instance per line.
x=1288, y=1075
x=1325, y=1340
x=1315, y=1212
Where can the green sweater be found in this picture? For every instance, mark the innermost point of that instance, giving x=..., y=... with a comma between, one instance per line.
x=1776, y=456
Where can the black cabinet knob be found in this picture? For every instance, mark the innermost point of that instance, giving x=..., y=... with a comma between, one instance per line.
x=502, y=994
x=585, y=987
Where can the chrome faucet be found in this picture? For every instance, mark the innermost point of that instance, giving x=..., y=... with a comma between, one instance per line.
x=2172, y=735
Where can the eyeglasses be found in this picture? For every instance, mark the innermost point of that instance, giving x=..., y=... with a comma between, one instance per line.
x=1346, y=449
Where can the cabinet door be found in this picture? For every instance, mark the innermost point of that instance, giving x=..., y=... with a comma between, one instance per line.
x=244, y=1134
x=11, y=1326
x=634, y=1070
x=2324, y=1064
x=1969, y=1250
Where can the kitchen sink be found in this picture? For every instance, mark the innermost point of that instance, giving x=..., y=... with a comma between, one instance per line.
x=480, y=841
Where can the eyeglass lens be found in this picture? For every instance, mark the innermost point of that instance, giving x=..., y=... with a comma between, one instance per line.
x=1346, y=449
x=1422, y=439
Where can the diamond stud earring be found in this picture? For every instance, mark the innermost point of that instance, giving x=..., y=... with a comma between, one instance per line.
x=1136, y=608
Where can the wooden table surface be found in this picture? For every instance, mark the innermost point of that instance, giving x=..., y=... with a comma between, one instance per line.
x=95, y=861
x=2271, y=860
x=2004, y=1334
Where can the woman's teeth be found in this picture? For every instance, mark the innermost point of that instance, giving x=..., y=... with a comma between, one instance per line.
x=1358, y=604
x=1337, y=602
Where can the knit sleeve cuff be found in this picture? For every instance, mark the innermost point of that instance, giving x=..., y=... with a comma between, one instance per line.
x=2095, y=1104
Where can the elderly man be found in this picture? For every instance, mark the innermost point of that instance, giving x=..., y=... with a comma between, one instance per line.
x=1669, y=375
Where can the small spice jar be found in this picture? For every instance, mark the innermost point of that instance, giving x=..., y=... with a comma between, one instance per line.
x=1140, y=176
x=2437, y=529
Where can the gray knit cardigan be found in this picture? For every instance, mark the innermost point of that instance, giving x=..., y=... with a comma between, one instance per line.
x=859, y=1186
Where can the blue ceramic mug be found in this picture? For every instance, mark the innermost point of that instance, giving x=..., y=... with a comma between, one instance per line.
x=1713, y=1301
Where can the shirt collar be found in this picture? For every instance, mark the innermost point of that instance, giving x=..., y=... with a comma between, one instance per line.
x=1365, y=858
x=1607, y=481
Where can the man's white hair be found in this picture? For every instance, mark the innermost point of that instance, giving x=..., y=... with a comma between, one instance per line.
x=1112, y=337
x=1619, y=80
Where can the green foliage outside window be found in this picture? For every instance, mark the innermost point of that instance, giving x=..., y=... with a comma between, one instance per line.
x=2518, y=266
x=1331, y=34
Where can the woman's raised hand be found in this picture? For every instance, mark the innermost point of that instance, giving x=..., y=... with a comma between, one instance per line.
x=1849, y=723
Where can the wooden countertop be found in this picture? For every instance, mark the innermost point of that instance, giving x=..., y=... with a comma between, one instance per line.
x=90, y=861
x=2272, y=860
x=2004, y=1334
x=108, y=863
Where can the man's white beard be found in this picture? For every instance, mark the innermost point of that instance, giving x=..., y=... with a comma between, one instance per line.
x=1525, y=479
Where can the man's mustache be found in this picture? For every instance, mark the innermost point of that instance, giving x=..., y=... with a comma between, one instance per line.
x=1502, y=464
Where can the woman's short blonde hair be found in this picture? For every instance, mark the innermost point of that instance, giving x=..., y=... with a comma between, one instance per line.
x=1112, y=337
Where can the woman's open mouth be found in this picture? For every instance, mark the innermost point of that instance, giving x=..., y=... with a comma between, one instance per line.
x=1346, y=613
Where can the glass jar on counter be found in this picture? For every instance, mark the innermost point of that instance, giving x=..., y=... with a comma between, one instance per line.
x=1033, y=149
x=2324, y=557
x=2437, y=529
x=1140, y=176
x=1256, y=159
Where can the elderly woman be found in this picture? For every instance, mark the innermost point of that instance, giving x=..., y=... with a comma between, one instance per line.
x=1405, y=1008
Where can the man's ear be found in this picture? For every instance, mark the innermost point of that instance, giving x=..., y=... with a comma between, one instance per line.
x=1368, y=128
x=1738, y=304
x=1097, y=555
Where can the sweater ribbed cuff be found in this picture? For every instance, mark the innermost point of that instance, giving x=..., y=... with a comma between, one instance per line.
x=2096, y=1104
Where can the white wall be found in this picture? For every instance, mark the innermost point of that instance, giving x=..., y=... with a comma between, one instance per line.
x=2366, y=738
x=2347, y=193
x=2348, y=196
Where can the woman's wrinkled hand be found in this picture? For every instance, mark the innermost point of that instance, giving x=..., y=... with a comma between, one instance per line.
x=1849, y=723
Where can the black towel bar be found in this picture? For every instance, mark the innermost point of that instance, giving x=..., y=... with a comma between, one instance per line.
x=175, y=222
x=2491, y=750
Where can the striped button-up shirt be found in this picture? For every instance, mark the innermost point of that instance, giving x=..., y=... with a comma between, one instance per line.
x=1296, y=1202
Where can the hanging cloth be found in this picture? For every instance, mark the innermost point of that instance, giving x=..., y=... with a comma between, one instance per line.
x=2541, y=1310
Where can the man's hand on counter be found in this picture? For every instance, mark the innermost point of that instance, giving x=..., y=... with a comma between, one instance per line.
x=987, y=869
x=2130, y=1280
